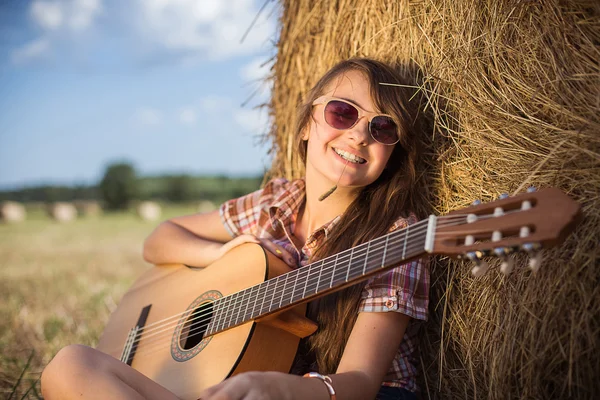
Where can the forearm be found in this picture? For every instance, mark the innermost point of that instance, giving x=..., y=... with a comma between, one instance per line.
x=351, y=385
x=171, y=243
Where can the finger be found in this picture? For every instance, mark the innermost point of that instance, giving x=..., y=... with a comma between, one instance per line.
x=280, y=252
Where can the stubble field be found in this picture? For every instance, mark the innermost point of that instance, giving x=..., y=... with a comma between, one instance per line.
x=59, y=283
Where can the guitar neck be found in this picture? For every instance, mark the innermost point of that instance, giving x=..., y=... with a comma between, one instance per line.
x=322, y=277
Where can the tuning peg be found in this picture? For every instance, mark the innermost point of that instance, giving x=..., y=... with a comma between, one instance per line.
x=480, y=267
x=535, y=260
x=507, y=262
x=503, y=196
x=531, y=189
x=507, y=265
x=476, y=202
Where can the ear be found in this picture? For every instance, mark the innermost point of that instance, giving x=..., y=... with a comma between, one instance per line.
x=305, y=133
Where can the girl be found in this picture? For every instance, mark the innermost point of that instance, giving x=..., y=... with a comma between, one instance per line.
x=357, y=139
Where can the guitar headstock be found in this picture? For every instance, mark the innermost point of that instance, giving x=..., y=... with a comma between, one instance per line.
x=526, y=222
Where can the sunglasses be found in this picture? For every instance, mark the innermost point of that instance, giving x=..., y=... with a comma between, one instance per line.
x=341, y=114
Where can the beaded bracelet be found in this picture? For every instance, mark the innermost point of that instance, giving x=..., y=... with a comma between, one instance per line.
x=326, y=380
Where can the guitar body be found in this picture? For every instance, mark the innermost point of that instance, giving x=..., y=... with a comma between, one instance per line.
x=173, y=292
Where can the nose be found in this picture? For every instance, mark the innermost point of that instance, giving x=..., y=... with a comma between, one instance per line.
x=359, y=133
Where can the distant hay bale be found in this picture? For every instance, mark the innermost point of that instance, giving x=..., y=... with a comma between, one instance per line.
x=148, y=210
x=206, y=206
x=12, y=212
x=513, y=89
x=88, y=208
x=62, y=211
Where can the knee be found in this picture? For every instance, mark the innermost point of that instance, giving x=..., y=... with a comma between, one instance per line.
x=63, y=373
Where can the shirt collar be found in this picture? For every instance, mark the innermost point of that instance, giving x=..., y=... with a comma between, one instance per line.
x=285, y=207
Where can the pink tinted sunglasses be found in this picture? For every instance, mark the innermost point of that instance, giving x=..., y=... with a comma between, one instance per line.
x=342, y=114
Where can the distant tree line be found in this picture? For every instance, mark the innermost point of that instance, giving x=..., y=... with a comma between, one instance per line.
x=120, y=185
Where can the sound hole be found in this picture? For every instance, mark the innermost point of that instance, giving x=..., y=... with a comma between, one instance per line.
x=195, y=326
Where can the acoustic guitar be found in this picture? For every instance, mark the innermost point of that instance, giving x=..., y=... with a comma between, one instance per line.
x=191, y=328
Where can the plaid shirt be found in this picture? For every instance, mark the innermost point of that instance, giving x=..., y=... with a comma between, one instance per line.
x=271, y=213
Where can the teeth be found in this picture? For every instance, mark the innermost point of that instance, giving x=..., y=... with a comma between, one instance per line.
x=350, y=157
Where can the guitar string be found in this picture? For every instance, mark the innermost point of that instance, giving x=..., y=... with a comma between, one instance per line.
x=146, y=328
x=345, y=251
x=280, y=291
x=276, y=285
x=232, y=294
x=307, y=270
x=157, y=342
x=271, y=290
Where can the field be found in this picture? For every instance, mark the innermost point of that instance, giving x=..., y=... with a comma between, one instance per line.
x=58, y=285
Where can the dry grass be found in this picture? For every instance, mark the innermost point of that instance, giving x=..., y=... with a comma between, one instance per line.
x=58, y=285
x=513, y=92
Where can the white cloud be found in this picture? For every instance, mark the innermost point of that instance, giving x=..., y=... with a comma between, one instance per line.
x=55, y=16
x=34, y=49
x=147, y=116
x=188, y=116
x=257, y=69
x=83, y=12
x=47, y=14
x=207, y=28
x=255, y=121
x=76, y=14
x=215, y=104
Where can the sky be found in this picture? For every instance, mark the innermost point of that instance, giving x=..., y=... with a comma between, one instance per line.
x=172, y=86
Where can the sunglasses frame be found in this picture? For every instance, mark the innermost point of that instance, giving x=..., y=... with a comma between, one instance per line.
x=361, y=113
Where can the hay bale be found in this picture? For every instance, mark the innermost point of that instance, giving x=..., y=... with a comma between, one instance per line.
x=148, y=210
x=206, y=206
x=513, y=89
x=88, y=208
x=12, y=212
x=62, y=211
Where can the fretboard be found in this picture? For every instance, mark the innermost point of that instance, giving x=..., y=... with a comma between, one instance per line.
x=319, y=278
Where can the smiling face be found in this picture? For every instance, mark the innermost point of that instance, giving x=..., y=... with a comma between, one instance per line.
x=332, y=151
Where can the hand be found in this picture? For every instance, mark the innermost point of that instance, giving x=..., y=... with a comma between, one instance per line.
x=278, y=251
x=250, y=386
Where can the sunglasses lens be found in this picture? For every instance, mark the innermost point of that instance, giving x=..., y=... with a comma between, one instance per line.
x=384, y=130
x=340, y=115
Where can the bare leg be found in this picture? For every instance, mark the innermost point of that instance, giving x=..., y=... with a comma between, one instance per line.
x=85, y=373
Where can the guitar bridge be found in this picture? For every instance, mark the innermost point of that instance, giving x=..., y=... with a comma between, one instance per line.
x=134, y=336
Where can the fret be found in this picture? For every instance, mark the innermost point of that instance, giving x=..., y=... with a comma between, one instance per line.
x=387, y=237
x=320, y=272
x=306, y=280
x=349, y=264
x=243, y=307
x=258, y=296
x=333, y=272
x=224, y=311
x=283, y=292
x=366, y=258
x=275, y=282
x=245, y=316
x=235, y=312
x=405, y=241
x=215, y=315
x=297, y=273
x=252, y=297
x=231, y=309
x=263, y=295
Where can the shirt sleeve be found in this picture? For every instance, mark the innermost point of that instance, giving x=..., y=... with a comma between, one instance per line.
x=403, y=289
x=241, y=216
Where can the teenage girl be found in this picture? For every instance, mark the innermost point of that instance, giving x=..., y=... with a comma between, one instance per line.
x=357, y=139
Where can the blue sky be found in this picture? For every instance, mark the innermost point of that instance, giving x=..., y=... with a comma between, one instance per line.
x=159, y=83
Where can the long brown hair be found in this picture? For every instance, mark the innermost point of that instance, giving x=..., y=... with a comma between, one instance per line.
x=376, y=207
